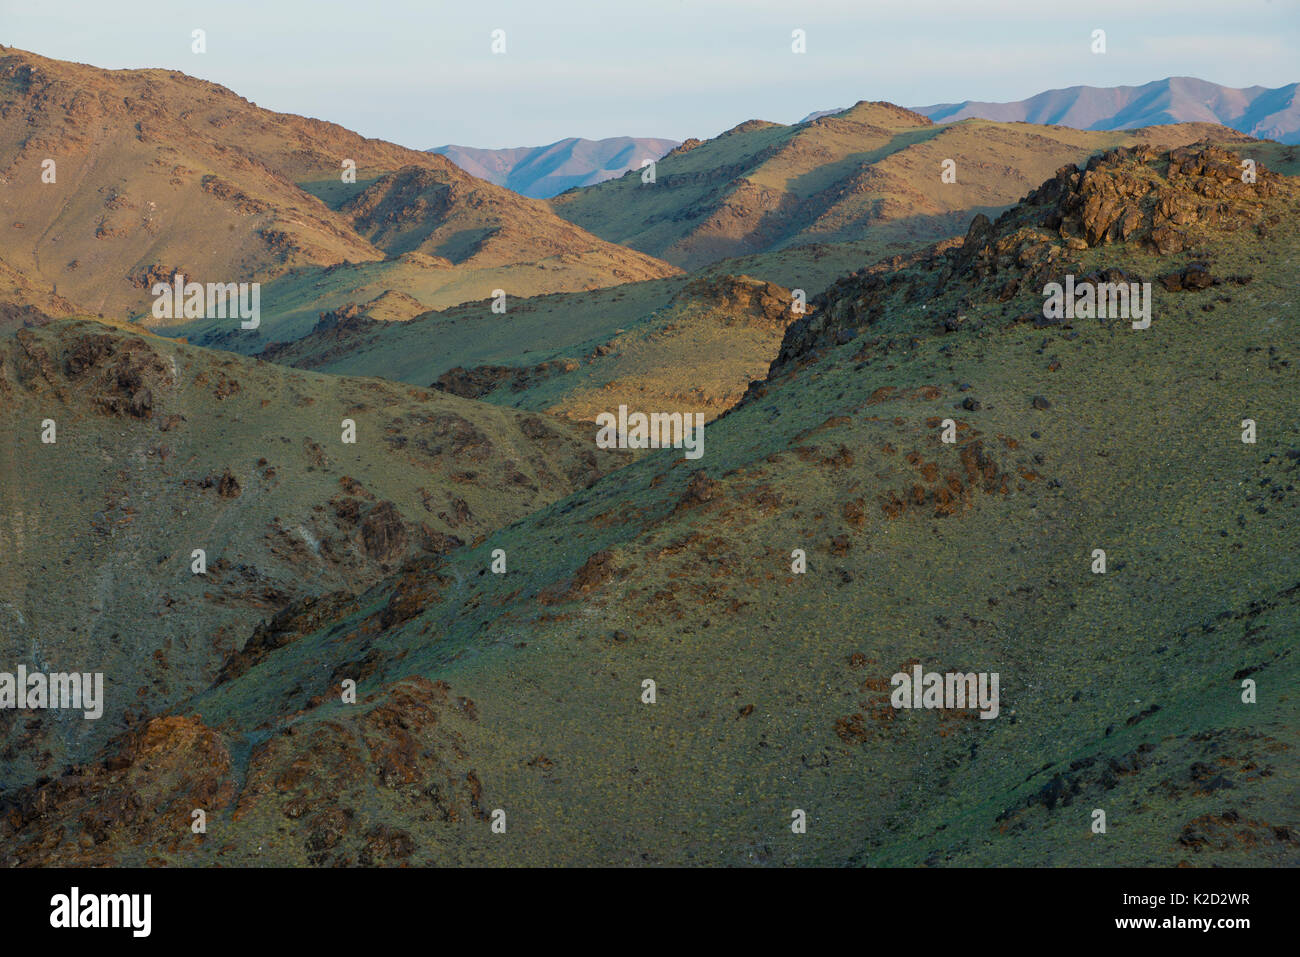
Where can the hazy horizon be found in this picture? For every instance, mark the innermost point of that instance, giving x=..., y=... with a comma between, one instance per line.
x=580, y=69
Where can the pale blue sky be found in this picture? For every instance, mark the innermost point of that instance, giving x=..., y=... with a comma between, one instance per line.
x=422, y=73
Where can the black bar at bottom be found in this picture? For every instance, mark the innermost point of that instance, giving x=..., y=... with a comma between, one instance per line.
x=336, y=907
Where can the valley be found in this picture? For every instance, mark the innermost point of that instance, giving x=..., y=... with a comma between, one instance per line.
x=419, y=569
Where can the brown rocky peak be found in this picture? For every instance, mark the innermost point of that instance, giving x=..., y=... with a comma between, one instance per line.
x=1146, y=195
x=1165, y=201
x=741, y=296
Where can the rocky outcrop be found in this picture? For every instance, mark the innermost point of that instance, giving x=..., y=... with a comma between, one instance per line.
x=288, y=625
x=478, y=381
x=141, y=797
x=383, y=533
x=1143, y=195
x=120, y=376
x=743, y=299
x=1163, y=202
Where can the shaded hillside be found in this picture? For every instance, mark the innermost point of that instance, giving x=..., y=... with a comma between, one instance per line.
x=1120, y=691
x=871, y=172
x=446, y=215
x=697, y=353
x=163, y=448
x=644, y=344
x=544, y=171
x=157, y=172
x=683, y=344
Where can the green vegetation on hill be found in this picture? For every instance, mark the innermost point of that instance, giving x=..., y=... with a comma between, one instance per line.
x=1120, y=691
x=162, y=448
x=869, y=174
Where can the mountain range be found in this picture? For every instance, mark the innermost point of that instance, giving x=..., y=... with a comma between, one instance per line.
x=544, y=171
x=364, y=583
x=871, y=172
x=523, y=693
x=144, y=160
x=754, y=214
x=1257, y=111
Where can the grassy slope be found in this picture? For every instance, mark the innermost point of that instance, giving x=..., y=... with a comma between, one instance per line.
x=674, y=354
x=706, y=609
x=96, y=547
x=873, y=170
x=650, y=345
x=836, y=172
x=773, y=687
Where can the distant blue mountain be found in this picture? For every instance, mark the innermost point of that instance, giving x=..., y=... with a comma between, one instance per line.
x=543, y=171
x=1274, y=114
x=1256, y=111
